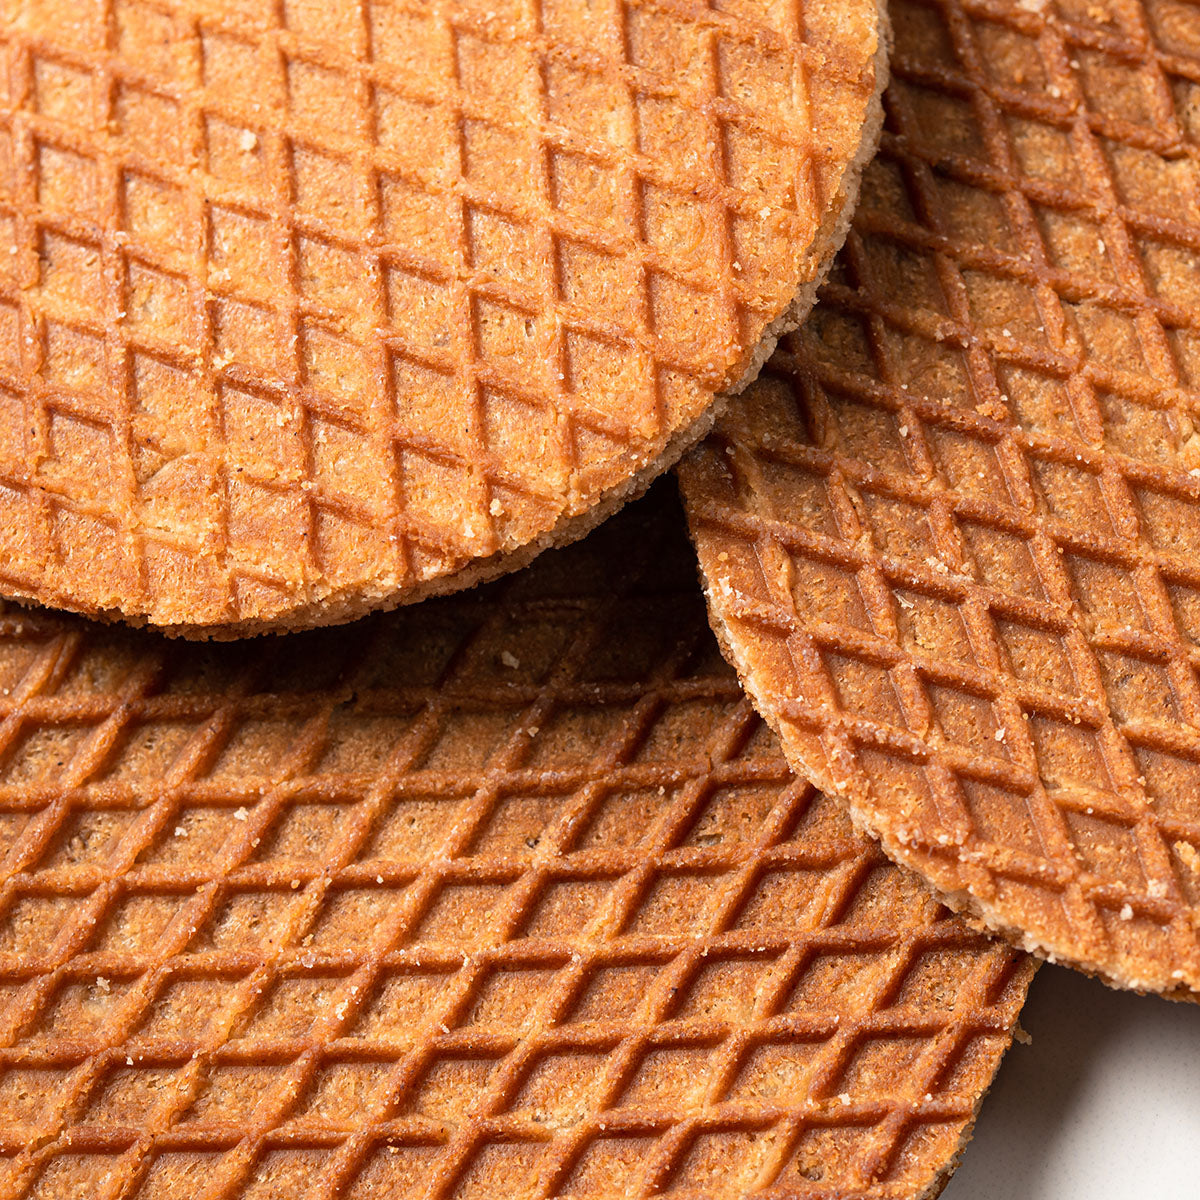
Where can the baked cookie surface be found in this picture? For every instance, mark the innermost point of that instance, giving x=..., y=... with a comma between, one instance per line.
x=950, y=537
x=507, y=894
x=317, y=307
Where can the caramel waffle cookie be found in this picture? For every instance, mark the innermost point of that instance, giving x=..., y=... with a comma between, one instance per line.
x=951, y=538
x=508, y=895
x=314, y=307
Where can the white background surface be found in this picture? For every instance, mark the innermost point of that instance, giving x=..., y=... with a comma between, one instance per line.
x=1104, y=1105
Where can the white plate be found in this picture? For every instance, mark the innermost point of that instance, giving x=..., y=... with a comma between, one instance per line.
x=1104, y=1105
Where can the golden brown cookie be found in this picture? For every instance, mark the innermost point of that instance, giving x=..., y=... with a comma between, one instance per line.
x=508, y=894
x=314, y=307
x=951, y=537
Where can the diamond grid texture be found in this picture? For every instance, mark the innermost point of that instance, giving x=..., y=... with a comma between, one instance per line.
x=951, y=537
x=511, y=894
x=308, y=307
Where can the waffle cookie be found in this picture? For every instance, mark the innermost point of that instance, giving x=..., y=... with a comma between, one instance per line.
x=314, y=307
x=508, y=895
x=951, y=538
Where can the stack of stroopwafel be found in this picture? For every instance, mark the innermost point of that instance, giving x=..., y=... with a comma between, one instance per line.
x=311, y=309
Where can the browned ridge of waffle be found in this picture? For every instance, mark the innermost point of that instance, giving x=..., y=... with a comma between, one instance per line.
x=309, y=307
x=508, y=895
x=952, y=538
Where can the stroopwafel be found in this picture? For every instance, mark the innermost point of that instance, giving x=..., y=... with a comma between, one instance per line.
x=951, y=537
x=319, y=306
x=508, y=895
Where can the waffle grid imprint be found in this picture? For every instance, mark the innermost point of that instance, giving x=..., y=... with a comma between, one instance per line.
x=952, y=536
x=510, y=895
x=307, y=306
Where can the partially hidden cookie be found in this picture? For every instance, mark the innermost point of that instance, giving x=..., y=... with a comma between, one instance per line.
x=315, y=307
x=506, y=895
x=952, y=537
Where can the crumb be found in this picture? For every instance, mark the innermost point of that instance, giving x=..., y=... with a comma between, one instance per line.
x=1188, y=855
x=992, y=408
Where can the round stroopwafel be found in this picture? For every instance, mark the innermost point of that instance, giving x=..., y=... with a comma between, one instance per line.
x=319, y=306
x=951, y=537
x=511, y=894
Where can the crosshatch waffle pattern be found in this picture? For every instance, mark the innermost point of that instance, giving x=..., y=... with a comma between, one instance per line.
x=952, y=537
x=507, y=895
x=312, y=306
